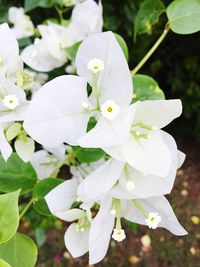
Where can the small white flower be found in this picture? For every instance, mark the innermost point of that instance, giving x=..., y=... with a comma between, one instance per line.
x=109, y=110
x=10, y=101
x=95, y=65
x=153, y=220
x=130, y=185
x=118, y=235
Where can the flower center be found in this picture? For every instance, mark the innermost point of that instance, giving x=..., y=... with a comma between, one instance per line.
x=10, y=101
x=95, y=65
x=153, y=220
x=109, y=110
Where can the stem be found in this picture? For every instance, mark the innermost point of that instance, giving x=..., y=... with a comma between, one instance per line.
x=28, y=205
x=59, y=12
x=151, y=51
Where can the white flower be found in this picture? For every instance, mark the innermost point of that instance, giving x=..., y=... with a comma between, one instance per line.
x=153, y=220
x=109, y=110
x=10, y=101
x=118, y=234
x=45, y=163
x=23, y=26
x=95, y=65
x=88, y=16
x=68, y=121
x=113, y=176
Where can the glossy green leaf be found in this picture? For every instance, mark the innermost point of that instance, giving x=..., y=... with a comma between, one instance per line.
x=20, y=251
x=123, y=45
x=146, y=88
x=32, y=4
x=4, y=264
x=184, y=16
x=88, y=155
x=9, y=215
x=40, y=190
x=16, y=174
x=148, y=15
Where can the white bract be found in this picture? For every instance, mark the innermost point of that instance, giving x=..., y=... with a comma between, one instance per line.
x=50, y=52
x=67, y=121
x=23, y=26
x=46, y=161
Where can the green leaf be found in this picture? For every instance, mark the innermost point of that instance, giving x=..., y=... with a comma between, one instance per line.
x=4, y=264
x=148, y=15
x=9, y=216
x=146, y=88
x=24, y=42
x=32, y=4
x=72, y=50
x=89, y=155
x=16, y=174
x=40, y=190
x=184, y=16
x=20, y=251
x=123, y=45
x=40, y=236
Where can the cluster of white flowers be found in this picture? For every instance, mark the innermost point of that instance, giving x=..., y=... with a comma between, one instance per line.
x=142, y=160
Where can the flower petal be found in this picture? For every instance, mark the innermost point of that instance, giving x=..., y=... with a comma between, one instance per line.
x=100, y=232
x=76, y=242
x=56, y=113
x=114, y=81
x=103, y=179
x=160, y=205
x=109, y=133
x=5, y=148
x=61, y=197
x=8, y=44
x=150, y=156
x=157, y=113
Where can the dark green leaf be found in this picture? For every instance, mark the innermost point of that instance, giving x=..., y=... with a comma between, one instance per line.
x=88, y=155
x=16, y=174
x=146, y=88
x=148, y=15
x=24, y=42
x=32, y=4
x=20, y=251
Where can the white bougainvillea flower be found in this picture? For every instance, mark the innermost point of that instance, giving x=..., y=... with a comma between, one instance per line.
x=10, y=61
x=147, y=150
x=25, y=147
x=86, y=234
x=124, y=182
x=65, y=119
x=23, y=26
x=49, y=52
x=5, y=148
x=45, y=161
x=13, y=104
x=153, y=212
x=88, y=15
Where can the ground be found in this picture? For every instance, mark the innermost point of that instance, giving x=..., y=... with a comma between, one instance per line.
x=165, y=250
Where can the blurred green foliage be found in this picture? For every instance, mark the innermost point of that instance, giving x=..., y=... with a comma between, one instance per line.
x=175, y=64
